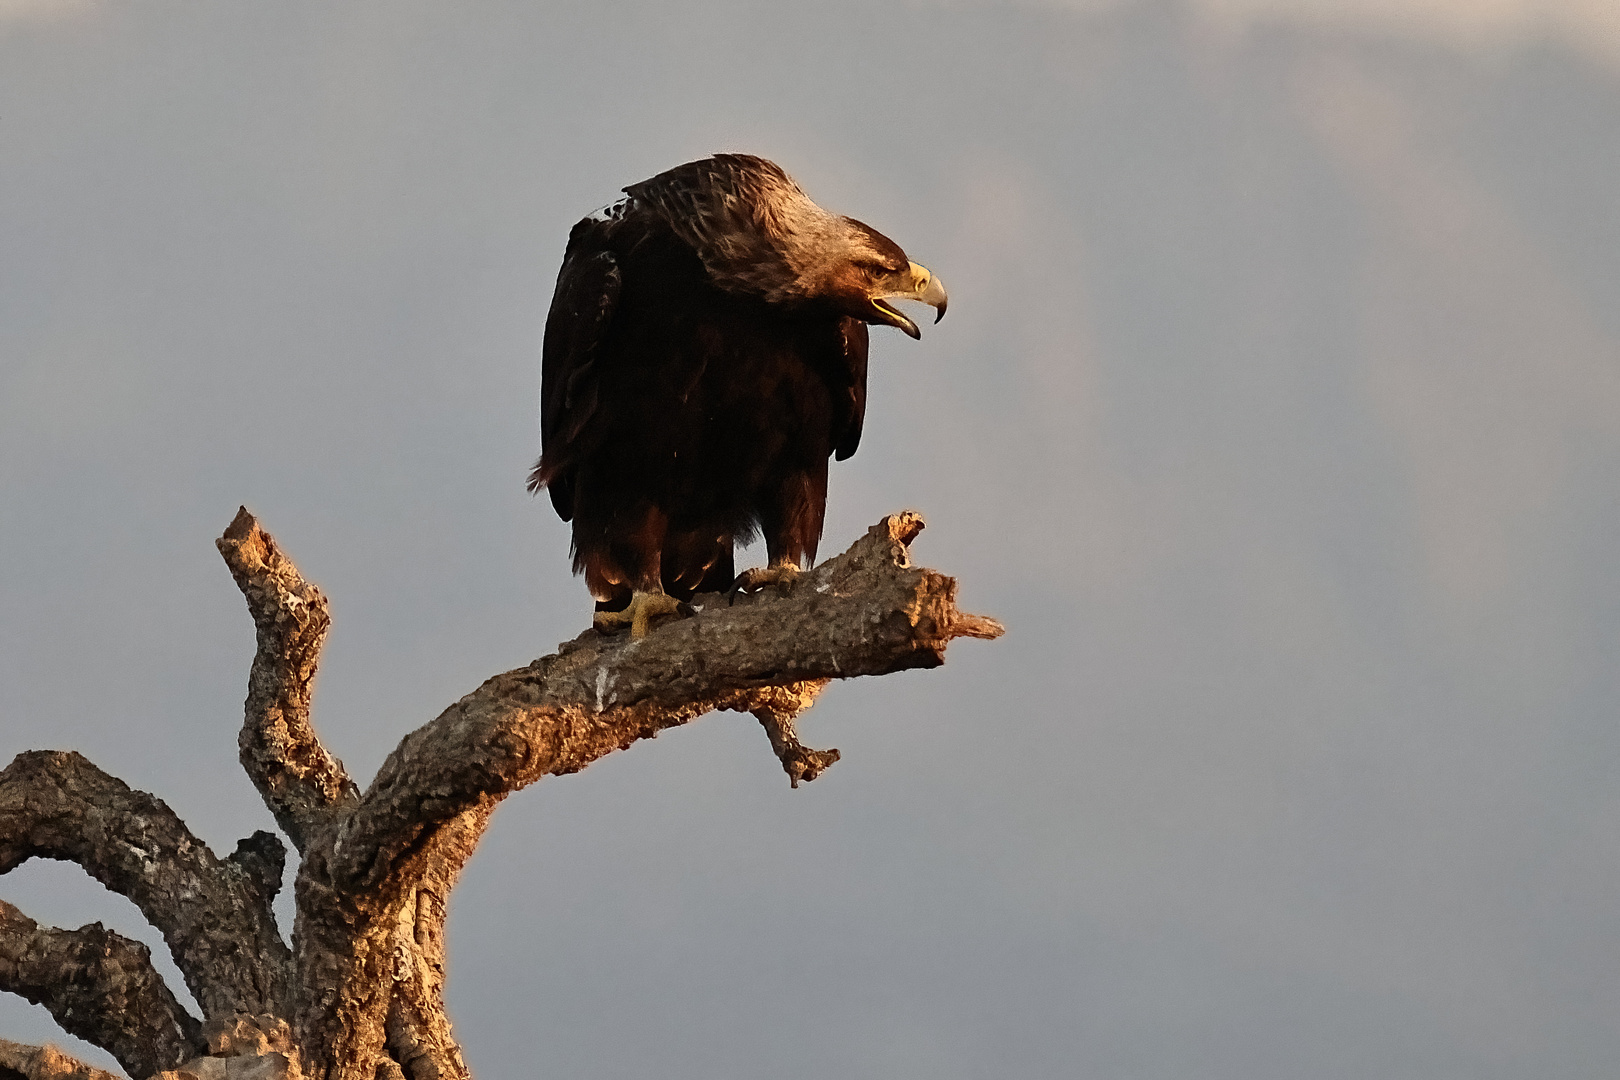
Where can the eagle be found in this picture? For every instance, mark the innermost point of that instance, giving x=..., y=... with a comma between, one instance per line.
x=704, y=355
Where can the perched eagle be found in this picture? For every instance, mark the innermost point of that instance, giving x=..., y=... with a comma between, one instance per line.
x=704, y=355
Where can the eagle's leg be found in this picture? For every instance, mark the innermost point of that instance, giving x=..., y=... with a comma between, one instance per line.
x=643, y=608
x=790, y=518
x=782, y=572
x=632, y=557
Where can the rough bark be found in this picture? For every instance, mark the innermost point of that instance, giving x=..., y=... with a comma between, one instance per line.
x=363, y=986
x=299, y=780
x=99, y=986
x=865, y=612
x=776, y=716
x=20, y=1062
x=213, y=913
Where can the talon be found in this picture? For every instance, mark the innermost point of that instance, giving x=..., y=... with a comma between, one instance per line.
x=782, y=574
x=644, y=608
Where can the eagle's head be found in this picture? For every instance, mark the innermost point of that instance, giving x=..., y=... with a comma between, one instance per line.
x=757, y=232
x=862, y=270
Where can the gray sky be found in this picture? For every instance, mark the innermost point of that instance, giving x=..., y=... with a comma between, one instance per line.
x=1277, y=413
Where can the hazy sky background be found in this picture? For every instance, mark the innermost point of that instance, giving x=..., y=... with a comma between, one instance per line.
x=1277, y=413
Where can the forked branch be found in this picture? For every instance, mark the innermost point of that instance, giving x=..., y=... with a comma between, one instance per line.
x=214, y=913
x=99, y=986
x=363, y=997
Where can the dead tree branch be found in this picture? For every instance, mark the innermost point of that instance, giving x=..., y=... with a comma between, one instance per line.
x=20, y=1062
x=99, y=986
x=417, y=1029
x=299, y=780
x=363, y=996
x=214, y=913
x=776, y=716
x=865, y=612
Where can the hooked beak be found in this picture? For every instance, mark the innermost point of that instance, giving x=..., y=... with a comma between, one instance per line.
x=914, y=283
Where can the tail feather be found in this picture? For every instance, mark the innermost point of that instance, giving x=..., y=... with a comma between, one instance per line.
x=539, y=477
x=559, y=485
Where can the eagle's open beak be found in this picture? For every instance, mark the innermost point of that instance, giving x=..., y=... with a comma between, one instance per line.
x=914, y=283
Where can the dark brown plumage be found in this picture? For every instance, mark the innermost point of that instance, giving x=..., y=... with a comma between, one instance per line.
x=704, y=356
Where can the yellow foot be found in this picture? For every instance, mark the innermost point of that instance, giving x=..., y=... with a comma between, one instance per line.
x=781, y=574
x=644, y=607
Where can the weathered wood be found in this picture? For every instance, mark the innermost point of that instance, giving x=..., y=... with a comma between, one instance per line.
x=100, y=986
x=361, y=994
x=213, y=913
x=22, y=1062
x=299, y=780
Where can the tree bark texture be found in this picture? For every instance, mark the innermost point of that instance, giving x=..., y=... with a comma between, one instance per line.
x=359, y=995
x=19, y=1062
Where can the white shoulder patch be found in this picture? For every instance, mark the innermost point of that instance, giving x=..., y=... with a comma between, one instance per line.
x=610, y=212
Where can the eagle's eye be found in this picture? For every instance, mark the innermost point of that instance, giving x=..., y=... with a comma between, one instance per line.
x=879, y=267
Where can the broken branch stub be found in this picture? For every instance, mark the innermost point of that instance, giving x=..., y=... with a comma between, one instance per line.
x=298, y=779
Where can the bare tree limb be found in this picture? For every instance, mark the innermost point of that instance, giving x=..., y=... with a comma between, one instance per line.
x=299, y=780
x=215, y=914
x=21, y=1062
x=372, y=971
x=418, y=1031
x=865, y=612
x=99, y=986
x=365, y=999
x=776, y=716
x=377, y=868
